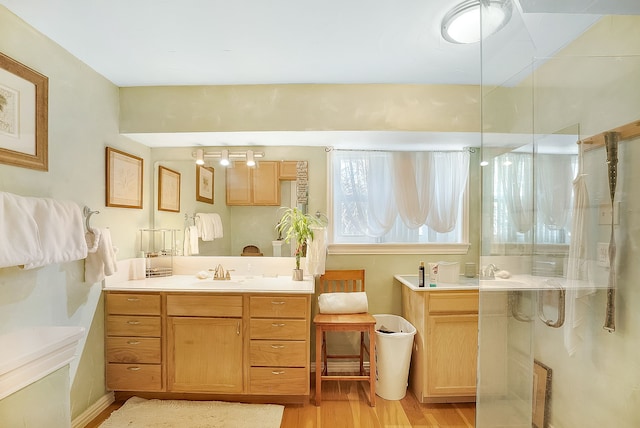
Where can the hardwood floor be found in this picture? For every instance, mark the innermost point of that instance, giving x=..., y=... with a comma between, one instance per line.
x=345, y=404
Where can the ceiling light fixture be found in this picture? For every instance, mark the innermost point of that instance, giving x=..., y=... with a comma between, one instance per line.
x=199, y=157
x=463, y=23
x=225, y=156
x=250, y=160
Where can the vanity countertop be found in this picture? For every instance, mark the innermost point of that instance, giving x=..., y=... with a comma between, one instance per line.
x=411, y=281
x=238, y=284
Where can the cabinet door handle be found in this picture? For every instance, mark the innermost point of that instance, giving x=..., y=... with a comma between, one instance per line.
x=132, y=299
x=277, y=346
x=133, y=322
x=280, y=302
x=133, y=369
x=277, y=372
x=133, y=342
x=281, y=324
x=238, y=329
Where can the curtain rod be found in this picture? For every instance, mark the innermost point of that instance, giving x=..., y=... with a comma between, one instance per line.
x=468, y=149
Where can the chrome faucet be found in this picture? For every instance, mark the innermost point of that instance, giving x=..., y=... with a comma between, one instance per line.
x=490, y=271
x=220, y=274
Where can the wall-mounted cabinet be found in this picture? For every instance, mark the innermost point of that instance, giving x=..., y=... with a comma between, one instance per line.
x=288, y=170
x=258, y=185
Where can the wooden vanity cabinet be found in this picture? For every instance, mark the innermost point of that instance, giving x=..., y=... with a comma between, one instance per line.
x=204, y=343
x=444, y=357
x=133, y=342
x=215, y=343
x=259, y=185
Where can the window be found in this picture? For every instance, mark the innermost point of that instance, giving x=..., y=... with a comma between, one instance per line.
x=398, y=201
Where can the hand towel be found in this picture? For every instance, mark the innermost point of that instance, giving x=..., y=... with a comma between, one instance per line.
x=190, y=244
x=61, y=229
x=209, y=226
x=19, y=232
x=103, y=261
x=317, y=251
x=343, y=303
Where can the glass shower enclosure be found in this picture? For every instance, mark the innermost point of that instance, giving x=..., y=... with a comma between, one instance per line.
x=559, y=324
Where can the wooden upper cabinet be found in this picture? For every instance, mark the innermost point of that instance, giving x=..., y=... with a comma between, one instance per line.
x=259, y=185
x=288, y=170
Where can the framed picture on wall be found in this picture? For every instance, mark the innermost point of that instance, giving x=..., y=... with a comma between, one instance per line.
x=541, y=395
x=204, y=184
x=124, y=179
x=168, y=190
x=23, y=115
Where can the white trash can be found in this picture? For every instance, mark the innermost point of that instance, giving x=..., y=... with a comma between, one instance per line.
x=394, y=343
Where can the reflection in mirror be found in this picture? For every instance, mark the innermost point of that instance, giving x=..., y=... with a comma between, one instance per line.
x=242, y=225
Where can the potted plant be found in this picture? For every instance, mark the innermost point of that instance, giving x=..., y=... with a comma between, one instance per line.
x=295, y=225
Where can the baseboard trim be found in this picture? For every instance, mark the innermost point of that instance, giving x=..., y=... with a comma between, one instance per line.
x=93, y=411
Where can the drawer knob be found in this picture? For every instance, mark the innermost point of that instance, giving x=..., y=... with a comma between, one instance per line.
x=279, y=302
x=133, y=369
x=133, y=322
x=133, y=342
x=278, y=372
x=132, y=299
x=277, y=346
x=276, y=324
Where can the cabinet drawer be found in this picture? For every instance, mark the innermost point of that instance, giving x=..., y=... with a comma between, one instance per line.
x=135, y=304
x=131, y=325
x=278, y=380
x=278, y=307
x=279, y=329
x=134, y=350
x=453, y=302
x=134, y=377
x=278, y=353
x=204, y=306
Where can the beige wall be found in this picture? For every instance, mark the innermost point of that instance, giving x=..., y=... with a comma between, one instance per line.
x=83, y=119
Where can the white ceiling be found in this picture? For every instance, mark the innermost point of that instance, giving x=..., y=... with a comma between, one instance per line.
x=221, y=42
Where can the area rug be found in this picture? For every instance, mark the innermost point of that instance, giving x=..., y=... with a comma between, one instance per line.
x=140, y=413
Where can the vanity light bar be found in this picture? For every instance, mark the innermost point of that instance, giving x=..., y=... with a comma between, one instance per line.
x=225, y=156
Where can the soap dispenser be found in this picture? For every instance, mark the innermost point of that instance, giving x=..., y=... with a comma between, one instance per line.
x=421, y=275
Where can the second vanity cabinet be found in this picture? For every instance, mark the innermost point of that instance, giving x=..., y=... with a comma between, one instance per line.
x=216, y=343
x=444, y=357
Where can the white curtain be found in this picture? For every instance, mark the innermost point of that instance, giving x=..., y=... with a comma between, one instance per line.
x=516, y=178
x=420, y=188
x=554, y=177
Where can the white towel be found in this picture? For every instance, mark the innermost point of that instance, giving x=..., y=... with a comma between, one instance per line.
x=61, y=230
x=102, y=262
x=343, y=303
x=190, y=244
x=209, y=226
x=19, y=231
x=317, y=251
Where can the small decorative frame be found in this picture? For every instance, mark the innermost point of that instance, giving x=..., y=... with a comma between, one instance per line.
x=204, y=184
x=24, y=97
x=541, y=395
x=124, y=179
x=168, y=190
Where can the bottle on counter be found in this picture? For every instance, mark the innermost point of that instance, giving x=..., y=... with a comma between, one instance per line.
x=421, y=275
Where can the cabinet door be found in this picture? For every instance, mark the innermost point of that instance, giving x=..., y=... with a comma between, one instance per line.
x=266, y=184
x=238, y=184
x=204, y=354
x=452, y=349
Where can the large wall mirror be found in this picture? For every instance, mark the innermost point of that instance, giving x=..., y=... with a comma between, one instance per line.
x=242, y=225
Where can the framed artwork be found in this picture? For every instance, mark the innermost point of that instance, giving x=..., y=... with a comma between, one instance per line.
x=24, y=97
x=124, y=179
x=204, y=184
x=168, y=190
x=541, y=395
